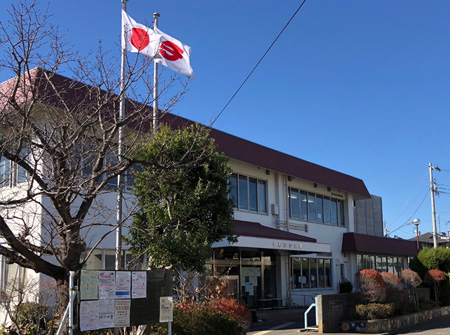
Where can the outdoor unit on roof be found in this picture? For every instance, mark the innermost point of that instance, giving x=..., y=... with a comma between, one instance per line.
x=275, y=209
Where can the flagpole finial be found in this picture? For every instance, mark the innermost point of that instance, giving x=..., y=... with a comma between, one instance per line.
x=156, y=14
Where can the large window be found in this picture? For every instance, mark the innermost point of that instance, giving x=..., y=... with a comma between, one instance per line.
x=308, y=206
x=248, y=193
x=380, y=263
x=311, y=273
x=12, y=173
x=5, y=172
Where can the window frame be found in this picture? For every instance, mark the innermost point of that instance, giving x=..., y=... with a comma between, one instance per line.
x=239, y=181
x=327, y=210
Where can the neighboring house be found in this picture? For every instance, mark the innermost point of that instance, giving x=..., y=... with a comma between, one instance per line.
x=302, y=227
x=426, y=240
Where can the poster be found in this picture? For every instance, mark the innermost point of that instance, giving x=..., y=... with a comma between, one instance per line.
x=89, y=315
x=123, y=285
x=165, y=309
x=106, y=313
x=122, y=313
x=89, y=285
x=106, y=284
x=139, y=285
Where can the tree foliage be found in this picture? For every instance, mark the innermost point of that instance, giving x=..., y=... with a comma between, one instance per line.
x=183, y=207
x=370, y=286
x=410, y=278
x=430, y=258
x=435, y=278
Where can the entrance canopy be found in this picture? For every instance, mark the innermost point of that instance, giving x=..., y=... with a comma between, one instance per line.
x=368, y=244
x=255, y=235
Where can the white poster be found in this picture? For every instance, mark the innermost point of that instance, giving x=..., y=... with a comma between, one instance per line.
x=122, y=313
x=106, y=284
x=139, y=285
x=123, y=285
x=165, y=309
x=89, y=285
x=89, y=315
x=106, y=313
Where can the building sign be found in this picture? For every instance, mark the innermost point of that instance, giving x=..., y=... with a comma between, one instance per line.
x=288, y=245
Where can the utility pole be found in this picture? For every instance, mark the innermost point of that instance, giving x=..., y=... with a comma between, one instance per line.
x=433, y=210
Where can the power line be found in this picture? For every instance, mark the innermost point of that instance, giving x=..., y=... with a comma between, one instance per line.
x=257, y=64
x=412, y=214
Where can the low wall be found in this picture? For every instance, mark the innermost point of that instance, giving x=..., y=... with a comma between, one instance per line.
x=393, y=324
x=332, y=308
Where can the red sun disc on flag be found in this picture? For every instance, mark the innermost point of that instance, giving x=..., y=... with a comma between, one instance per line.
x=170, y=51
x=139, y=38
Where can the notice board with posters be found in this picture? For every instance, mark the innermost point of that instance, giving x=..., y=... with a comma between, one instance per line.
x=111, y=298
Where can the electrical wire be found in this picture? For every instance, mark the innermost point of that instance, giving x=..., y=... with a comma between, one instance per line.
x=257, y=64
x=407, y=221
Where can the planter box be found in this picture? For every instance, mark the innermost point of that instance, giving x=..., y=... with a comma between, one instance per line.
x=393, y=324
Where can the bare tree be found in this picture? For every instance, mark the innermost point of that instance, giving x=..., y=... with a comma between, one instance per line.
x=59, y=143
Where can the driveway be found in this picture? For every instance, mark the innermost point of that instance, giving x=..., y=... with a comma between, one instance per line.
x=436, y=327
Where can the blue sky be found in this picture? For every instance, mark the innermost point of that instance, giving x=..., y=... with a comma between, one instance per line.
x=362, y=87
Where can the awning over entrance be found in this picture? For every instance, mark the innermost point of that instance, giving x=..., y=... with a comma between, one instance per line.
x=255, y=235
x=367, y=244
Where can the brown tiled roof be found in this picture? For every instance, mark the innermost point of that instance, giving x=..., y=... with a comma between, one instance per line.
x=255, y=229
x=237, y=148
x=368, y=244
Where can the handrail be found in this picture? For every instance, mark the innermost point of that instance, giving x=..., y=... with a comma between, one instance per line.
x=317, y=314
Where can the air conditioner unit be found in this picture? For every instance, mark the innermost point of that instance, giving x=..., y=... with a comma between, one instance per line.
x=275, y=209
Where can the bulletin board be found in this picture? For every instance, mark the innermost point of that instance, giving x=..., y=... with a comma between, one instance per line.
x=111, y=298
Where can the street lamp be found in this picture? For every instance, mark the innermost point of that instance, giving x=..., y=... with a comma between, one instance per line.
x=416, y=222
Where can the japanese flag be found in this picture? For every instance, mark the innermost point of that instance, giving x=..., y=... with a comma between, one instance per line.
x=138, y=38
x=174, y=54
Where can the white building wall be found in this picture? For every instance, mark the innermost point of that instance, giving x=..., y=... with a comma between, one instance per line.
x=277, y=193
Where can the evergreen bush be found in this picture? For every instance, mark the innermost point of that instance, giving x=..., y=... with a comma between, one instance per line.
x=374, y=311
x=200, y=321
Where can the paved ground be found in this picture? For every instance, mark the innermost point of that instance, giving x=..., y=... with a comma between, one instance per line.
x=436, y=327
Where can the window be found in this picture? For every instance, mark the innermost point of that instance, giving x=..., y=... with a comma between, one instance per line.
x=380, y=263
x=294, y=204
x=243, y=192
x=22, y=174
x=319, y=208
x=303, y=206
x=12, y=173
x=105, y=259
x=311, y=273
x=248, y=193
x=313, y=207
x=5, y=171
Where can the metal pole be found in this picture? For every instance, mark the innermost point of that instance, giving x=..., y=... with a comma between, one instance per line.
x=417, y=233
x=155, y=82
x=71, y=300
x=433, y=211
x=118, y=264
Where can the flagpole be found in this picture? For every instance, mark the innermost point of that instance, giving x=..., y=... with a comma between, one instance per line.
x=118, y=263
x=155, y=82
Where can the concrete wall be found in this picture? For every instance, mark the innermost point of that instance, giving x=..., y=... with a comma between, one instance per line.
x=333, y=308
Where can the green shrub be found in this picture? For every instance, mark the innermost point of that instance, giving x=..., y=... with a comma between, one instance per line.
x=200, y=321
x=30, y=318
x=375, y=311
x=430, y=258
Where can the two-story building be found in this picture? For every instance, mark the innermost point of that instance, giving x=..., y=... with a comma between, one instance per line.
x=301, y=227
